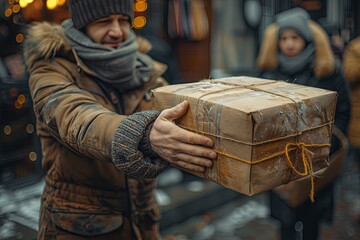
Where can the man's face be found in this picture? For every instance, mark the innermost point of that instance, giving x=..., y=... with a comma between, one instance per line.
x=109, y=31
x=291, y=43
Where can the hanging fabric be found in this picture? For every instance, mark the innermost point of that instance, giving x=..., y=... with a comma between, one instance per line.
x=187, y=19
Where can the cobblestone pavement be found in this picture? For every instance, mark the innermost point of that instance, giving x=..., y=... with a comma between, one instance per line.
x=248, y=218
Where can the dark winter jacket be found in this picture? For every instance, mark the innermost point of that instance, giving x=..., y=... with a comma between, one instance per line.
x=322, y=72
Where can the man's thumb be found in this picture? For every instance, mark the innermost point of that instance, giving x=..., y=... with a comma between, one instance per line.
x=177, y=111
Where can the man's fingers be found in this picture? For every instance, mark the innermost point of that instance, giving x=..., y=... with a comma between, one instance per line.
x=193, y=138
x=195, y=152
x=175, y=112
x=190, y=167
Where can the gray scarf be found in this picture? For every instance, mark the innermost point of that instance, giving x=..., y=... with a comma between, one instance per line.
x=124, y=68
x=297, y=64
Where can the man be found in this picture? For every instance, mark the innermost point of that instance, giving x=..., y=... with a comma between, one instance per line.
x=101, y=152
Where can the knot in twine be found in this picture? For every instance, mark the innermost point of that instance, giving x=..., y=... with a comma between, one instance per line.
x=307, y=163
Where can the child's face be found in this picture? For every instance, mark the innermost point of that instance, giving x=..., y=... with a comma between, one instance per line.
x=110, y=31
x=291, y=43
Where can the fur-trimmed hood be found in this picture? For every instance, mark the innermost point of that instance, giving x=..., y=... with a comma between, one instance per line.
x=324, y=58
x=351, y=62
x=45, y=39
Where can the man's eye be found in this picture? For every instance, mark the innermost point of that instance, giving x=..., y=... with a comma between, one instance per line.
x=103, y=21
x=123, y=20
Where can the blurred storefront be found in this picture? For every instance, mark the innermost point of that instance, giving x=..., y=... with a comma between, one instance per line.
x=207, y=37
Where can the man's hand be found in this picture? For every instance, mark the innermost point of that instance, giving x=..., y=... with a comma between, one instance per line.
x=178, y=146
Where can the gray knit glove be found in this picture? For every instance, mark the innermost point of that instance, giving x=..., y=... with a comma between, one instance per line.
x=131, y=151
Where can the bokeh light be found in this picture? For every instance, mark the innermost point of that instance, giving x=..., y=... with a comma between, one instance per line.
x=139, y=22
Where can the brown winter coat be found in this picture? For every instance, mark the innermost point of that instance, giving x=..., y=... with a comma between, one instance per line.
x=85, y=193
x=351, y=66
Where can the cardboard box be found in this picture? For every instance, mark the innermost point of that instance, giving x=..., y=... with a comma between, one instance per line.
x=258, y=127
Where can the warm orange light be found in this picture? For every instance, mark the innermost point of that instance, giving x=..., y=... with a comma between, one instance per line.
x=33, y=156
x=139, y=22
x=11, y=2
x=19, y=38
x=51, y=4
x=7, y=130
x=18, y=105
x=60, y=2
x=140, y=6
x=23, y=3
x=8, y=12
x=30, y=128
x=21, y=98
x=16, y=8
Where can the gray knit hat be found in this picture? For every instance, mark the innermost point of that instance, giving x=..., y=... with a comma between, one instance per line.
x=297, y=19
x=84, y=12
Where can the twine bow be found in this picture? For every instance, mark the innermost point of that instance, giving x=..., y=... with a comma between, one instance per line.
x=307, y=163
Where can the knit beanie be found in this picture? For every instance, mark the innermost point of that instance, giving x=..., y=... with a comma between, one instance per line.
x=296, y=19
x=84, y=12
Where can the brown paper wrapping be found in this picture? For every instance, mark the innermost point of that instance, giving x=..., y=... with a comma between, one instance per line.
x=252, y=121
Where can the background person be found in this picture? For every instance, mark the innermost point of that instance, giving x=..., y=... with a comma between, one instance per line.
x=351, y=69
x=297, y=50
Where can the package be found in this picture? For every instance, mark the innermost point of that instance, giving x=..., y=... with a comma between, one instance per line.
x=267, y=133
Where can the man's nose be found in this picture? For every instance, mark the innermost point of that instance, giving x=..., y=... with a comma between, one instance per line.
x=115, y=30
